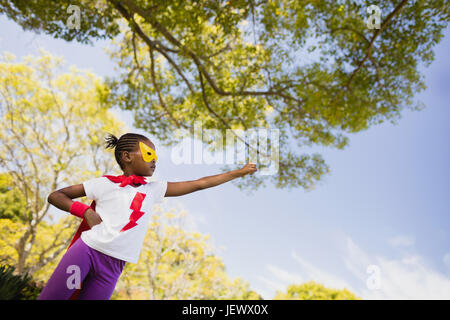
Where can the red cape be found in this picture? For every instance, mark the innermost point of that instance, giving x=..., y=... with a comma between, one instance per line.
x=84, y=226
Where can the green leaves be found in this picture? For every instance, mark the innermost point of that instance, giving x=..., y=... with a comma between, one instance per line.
x=314, y=291
x=11, y=285
x=316, y=63
x=97, y=19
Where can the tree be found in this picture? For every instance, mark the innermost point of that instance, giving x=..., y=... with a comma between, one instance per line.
x=312, y=69
x=12, y=202
x=51, y=126
x=176, y=264
x=314, y=291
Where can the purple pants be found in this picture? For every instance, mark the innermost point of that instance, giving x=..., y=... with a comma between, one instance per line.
x=97, y=272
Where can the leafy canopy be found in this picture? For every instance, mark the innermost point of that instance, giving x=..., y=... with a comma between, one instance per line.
x=312, y=69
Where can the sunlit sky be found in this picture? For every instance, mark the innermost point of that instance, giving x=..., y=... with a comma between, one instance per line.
x=385, y=203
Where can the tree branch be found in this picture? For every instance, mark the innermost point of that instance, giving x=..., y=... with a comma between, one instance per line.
x=155, y=84
x=205, y=101
x=375, y=36
x=148, y=17
x=153, y=44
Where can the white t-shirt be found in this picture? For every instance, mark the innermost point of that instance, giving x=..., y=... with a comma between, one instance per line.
x=117, y=235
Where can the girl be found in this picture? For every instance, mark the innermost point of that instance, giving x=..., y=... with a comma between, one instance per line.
x=117, y=220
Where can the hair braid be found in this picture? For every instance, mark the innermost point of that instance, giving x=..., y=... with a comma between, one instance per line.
x=127, y=142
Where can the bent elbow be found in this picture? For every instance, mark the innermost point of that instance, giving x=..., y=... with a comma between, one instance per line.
x=50, y=197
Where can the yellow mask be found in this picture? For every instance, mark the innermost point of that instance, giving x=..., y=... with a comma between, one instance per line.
x=148, y=154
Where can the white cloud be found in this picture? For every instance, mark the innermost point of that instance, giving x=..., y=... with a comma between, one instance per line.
x=401, y=241
x=316, y=274
x=408, y=276
x=279, y=278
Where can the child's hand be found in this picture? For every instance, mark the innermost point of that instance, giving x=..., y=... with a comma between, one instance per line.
x=249, y=168
x=92, y=217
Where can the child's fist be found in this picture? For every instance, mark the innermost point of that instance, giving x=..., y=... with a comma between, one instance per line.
x=249, y=168
x=92, y=217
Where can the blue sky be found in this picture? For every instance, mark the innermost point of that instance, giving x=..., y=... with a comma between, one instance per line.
x=386, y=202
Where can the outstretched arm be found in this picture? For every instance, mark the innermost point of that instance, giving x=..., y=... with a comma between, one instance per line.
x=175, y=189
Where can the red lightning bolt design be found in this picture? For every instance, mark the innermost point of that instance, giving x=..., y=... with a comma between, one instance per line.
x=136, y=205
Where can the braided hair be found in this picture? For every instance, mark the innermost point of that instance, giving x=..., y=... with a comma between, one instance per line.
x=127, y=142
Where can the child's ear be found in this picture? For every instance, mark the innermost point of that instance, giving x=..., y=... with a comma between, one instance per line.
x=126, y=157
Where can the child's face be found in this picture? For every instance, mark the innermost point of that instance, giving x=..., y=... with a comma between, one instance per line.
x=139, y=162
